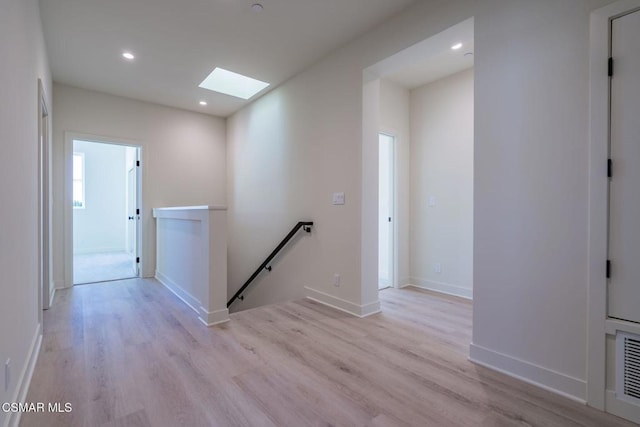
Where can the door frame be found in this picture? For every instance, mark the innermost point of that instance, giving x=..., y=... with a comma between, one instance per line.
x=45, y=289
x=69, y=137
x=394, y=214
x=599, y=96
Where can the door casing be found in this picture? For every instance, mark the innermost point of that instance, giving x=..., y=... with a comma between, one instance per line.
x=599, y=98
x=69, y=137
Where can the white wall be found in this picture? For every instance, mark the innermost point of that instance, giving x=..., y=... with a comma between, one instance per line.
x=101, y=225
x=530, y=197
x=395, y=120
x=442, y=169
x=290, y=149
x=24, y=60
x=183, y=157
x=268, y=182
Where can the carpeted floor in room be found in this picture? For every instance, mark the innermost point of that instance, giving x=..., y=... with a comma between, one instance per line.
x=102, y=267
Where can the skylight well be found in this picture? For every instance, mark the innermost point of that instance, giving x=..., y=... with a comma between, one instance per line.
x=234, y=84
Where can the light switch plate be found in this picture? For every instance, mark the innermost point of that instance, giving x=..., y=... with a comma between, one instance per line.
x=338, y=198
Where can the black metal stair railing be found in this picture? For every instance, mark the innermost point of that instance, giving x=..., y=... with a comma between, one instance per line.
x=305, y=225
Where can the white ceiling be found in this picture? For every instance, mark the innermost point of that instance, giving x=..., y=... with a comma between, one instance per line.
x=177, y=43
x=430, y=59
x=440, y=65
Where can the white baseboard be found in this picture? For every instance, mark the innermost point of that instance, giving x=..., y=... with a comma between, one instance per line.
x=211, y=318
x=443, y=288
x=555, y=382
x=13, y=418
x=621, y=408
x=185, y=296
x=343, y=305
x=404, y=282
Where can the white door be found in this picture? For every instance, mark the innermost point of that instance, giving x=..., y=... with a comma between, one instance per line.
x=385, y=211
x=624, y=196
x=133, y=216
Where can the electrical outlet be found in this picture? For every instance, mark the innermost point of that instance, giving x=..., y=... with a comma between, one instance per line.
x=336, y=280
x=438, y=268
x=7, y=374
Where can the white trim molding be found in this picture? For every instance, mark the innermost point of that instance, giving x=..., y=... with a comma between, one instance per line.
x=441, y=287
x=184, y=296
x=67, y=210
x=404, y=282
x=555, y=382
x=599, y=47
x=343, y=305
x=208, y=318
x=13, y=418
x=59, y=284
x=212, y=318
x=621, y=408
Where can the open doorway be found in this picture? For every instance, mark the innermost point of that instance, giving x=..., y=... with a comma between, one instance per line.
x=420, y=102
x=105, y=211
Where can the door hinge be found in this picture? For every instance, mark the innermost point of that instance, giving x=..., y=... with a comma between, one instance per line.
x=137, y=211
x=610, y=66
x=137, y=260
x=608, y=269
x=137, y=162
x=609, y=168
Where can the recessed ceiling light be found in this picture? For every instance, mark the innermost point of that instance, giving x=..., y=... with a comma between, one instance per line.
x=456, y=46
x=257, y=7
x=128, y=55
x=234, y=84
x=203, y=103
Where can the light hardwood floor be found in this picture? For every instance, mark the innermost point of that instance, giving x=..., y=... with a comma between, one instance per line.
x=129, y=354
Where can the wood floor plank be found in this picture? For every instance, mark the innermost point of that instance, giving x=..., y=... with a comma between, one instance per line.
x=129, y=353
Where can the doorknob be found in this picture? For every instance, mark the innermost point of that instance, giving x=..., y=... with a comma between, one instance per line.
x=131, y=217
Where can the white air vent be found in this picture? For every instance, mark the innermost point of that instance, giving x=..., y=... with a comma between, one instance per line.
x=628, y=367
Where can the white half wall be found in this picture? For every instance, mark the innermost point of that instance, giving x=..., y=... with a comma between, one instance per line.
x=192, y=258
x=24, y=61
x=101, y=225
x=442, y=185
x=183, y=158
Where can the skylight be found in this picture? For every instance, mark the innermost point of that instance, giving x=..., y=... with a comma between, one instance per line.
x=234, y=84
